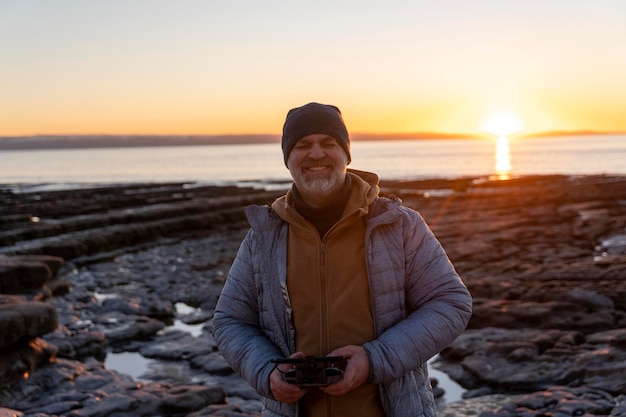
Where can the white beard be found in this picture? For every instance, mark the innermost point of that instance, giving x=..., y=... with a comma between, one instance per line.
x=319, y=187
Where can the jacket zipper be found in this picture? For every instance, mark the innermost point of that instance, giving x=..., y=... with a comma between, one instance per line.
x=324, y=342
x=324, y=304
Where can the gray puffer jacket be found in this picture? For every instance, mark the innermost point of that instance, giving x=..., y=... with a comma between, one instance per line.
x=419, y=304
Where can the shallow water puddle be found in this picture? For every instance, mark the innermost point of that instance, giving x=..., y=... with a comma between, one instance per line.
x=129, y=363
x=144, y=369
x=610, y=247
x=139, y=367
x=453, y=391
x=183, y=309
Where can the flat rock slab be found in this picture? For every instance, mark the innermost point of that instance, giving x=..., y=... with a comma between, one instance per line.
x=25, y=320
x=526, y=360
x=20, y=274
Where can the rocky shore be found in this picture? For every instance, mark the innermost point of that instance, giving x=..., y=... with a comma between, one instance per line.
x=88, y=273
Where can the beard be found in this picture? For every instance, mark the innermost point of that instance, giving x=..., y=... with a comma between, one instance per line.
x=319, y=186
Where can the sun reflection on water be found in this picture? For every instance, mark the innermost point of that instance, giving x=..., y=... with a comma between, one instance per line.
x=503, y=158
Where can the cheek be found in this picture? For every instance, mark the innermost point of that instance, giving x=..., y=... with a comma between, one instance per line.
x=290, y=161
x=340, y=158
x=295, y=159
x=293, y=166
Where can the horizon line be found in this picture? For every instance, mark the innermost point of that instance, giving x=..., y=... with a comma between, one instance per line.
x=353, y=135
x=96, y=141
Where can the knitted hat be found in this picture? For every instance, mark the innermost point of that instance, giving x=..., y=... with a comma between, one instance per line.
x=311, y=119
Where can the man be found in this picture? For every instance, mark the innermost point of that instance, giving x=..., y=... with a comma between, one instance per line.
x=332, y=268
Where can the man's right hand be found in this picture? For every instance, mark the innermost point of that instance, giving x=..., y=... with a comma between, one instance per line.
x=284, y=391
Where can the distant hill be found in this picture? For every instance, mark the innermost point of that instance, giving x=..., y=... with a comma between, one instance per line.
x=115, y=141
x=558, y=133
x=412, y=136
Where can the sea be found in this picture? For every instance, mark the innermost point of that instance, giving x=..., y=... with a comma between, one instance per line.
x=262, y=164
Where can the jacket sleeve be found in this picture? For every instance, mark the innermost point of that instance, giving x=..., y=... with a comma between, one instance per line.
x=236, y=324
x=435, y=305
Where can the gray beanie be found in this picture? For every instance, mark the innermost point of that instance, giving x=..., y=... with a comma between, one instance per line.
x=314, y=118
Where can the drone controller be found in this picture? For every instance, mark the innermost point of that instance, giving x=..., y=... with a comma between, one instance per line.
x=313, y=371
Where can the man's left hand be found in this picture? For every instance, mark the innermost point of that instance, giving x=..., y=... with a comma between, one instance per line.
x=356, y=373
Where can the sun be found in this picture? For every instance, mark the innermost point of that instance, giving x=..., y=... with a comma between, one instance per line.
x=501, y=123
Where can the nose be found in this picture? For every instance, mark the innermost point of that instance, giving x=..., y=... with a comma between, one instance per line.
x=317, y=152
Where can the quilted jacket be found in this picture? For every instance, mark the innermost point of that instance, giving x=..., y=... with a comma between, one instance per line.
x=419, y=304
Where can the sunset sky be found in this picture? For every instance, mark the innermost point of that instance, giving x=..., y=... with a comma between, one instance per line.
x=236, y=67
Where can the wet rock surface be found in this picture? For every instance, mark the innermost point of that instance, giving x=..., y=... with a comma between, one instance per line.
x=543, y=260
x=136, y=270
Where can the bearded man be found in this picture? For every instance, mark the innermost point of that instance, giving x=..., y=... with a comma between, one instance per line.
x=334, y=269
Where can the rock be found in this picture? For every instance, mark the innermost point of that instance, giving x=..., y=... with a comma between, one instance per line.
x=520, y=314
x=145, y=306
x=590, y=299
x=604, y=368
x=75, y=389
x=185, y=399
x=25, y=320
x=23, y=359
x=95, y=226
x=177, y=345
x=475, y=405
x=527, y=360
x=223, y=410
x=18, y=274
x=558, y=401
x=119, y=327
x=78, y=345
x=6, y=412
x=213, y=363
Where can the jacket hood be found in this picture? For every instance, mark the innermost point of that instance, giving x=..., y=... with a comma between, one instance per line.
x=369, y=177
x=364, y=184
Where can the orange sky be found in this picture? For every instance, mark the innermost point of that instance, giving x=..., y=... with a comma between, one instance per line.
x=199, y=67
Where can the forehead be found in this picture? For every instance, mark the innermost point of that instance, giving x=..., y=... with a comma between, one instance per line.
x=317, y=138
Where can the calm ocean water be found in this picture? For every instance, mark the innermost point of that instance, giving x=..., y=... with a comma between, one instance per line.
x=225, y=164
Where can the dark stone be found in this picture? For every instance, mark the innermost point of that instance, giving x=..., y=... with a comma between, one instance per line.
x=7, y=412
x=59, y=287
x=185, y=399
x=119, y=327
x=99, y=392
x=177, y=345
x=213, y=363
x=222, y=410
x=151, y=307
x=23, y=359
x=529, y=359
x=559, y=401
x=25, y=320
x=21, y=275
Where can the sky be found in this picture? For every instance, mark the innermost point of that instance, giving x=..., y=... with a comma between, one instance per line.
x=236, y=67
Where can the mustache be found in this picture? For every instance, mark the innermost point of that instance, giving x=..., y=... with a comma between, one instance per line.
x=311, y=163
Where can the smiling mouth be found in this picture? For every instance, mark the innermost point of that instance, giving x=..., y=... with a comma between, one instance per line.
x=317, y=168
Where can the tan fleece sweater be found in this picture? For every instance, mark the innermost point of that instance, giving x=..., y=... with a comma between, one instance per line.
x=329, y=292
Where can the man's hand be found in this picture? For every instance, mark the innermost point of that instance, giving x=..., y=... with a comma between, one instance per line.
x=284, y=391
x=356, y=373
